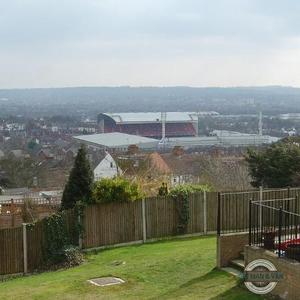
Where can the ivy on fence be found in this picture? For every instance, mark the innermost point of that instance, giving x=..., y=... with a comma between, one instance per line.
x=56, y=238
x=181, y=195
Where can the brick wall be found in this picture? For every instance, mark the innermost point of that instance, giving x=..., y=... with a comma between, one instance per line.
x=289, y=287
x=15, y=220
x=229, y=247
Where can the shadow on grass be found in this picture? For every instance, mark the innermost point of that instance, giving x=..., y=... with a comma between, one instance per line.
x=210, y=286
x=238, y=292
x=185, y=288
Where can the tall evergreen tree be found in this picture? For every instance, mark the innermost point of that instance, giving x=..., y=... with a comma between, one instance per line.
x=79, y=185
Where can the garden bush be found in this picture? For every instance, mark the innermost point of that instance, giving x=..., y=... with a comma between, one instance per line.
x=116, y=190
x=72, y=256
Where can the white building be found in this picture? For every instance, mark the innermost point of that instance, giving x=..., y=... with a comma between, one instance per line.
x=116, y=141
x=107, y=168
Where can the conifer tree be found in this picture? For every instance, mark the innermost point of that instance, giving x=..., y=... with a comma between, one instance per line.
x=79, y=185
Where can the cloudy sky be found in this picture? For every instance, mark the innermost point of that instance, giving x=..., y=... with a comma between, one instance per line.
x=49, y=43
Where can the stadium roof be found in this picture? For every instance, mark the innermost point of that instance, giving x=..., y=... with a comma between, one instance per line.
x=117, y=140
x=153, y=117
x=223, y=139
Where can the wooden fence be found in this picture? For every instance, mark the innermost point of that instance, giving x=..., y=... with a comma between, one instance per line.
x=21, y=248
x=157, y=217
x=11, y=251
x=115, y=223
x=112, y=223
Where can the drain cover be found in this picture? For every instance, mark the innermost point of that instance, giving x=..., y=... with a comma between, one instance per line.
x=106, y=281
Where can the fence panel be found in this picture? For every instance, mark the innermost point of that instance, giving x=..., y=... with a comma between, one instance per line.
x=35, y=242
x=71, y=220
x=112, y=223
x=36, y=238
x=196, y=210
x=161, y=217
x=234, y=210
x=11, y=251
x=212, y=210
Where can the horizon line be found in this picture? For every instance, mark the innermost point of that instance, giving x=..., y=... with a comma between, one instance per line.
x=152, y=86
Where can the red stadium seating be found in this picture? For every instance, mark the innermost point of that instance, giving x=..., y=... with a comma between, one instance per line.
x=154, y=130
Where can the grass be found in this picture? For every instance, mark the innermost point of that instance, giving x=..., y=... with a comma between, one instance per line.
x=181, y=269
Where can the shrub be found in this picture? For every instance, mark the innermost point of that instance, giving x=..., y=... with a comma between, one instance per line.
x=200, y=187
x=57, y=251
x=181, y=190
x=189, y=188
x=72, y=256
x=116, y=190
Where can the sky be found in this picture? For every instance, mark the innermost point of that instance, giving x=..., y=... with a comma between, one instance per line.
x=56, y=43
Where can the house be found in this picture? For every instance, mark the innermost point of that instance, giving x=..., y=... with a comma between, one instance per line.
x=60, y=143
x=158, y=165
x=71, y=152
x=18, y=153
x=59, y=154
x=186, y=168
x=45, y=154
x=107, y=168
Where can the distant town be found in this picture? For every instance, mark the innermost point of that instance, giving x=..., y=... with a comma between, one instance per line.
x=50, y=144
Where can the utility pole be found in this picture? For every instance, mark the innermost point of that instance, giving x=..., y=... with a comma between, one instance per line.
x=260, y=124
x=163, y=126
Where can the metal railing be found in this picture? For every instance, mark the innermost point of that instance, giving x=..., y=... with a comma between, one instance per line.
x=275, y=225
x=233, y=207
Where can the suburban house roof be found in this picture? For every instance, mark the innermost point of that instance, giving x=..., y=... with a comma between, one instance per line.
x=159, y=164
x=107, y=168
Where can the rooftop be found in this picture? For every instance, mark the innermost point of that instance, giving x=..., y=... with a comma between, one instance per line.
x=152, y=117
x=222, y=138
x=116, y=140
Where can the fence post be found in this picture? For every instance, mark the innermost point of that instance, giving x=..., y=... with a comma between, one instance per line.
x=12, y=212
x=260, y=207
x=286, y=204
x=25, y=258
x=204, y=212
x=250, y=206
x=219, y=215
x=279, y=231
x=144, y=220
x=80, y=242
x=296, y=211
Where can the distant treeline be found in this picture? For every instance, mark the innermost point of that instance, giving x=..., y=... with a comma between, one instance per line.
x=89, y=101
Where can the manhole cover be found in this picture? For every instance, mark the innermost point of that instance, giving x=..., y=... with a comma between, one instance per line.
x=106, y=281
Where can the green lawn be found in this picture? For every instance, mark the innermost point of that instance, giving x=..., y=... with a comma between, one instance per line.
x=181, y=269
